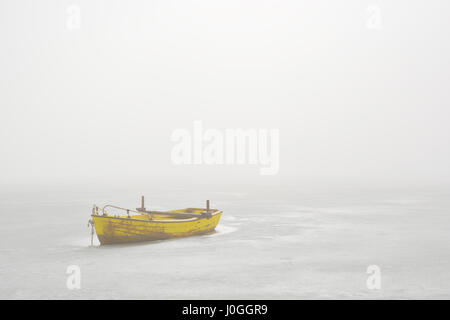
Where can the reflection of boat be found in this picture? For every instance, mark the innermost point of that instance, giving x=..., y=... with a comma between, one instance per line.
x=152, y=225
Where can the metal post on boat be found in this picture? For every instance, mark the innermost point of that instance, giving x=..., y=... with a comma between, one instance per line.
x=208, y=214
x=142, y=208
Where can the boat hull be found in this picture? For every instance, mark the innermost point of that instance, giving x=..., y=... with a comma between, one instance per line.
x=112, y=230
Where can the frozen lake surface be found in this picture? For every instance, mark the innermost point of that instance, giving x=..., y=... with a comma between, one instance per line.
x=270, y=244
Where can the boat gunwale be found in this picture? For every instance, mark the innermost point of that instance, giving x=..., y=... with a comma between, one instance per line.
x=159, y=221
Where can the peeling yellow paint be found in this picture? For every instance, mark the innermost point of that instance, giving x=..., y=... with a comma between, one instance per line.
x=155, y=226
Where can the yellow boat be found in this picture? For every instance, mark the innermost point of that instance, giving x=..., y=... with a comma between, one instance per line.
x=152, y=225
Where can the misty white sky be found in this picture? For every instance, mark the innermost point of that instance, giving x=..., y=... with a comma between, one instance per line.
x=100, y=103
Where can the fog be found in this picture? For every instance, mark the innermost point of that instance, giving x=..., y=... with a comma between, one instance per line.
x=336, y=113
x=96, y=100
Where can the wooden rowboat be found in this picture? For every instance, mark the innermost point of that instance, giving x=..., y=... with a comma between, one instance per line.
x=151, y=225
